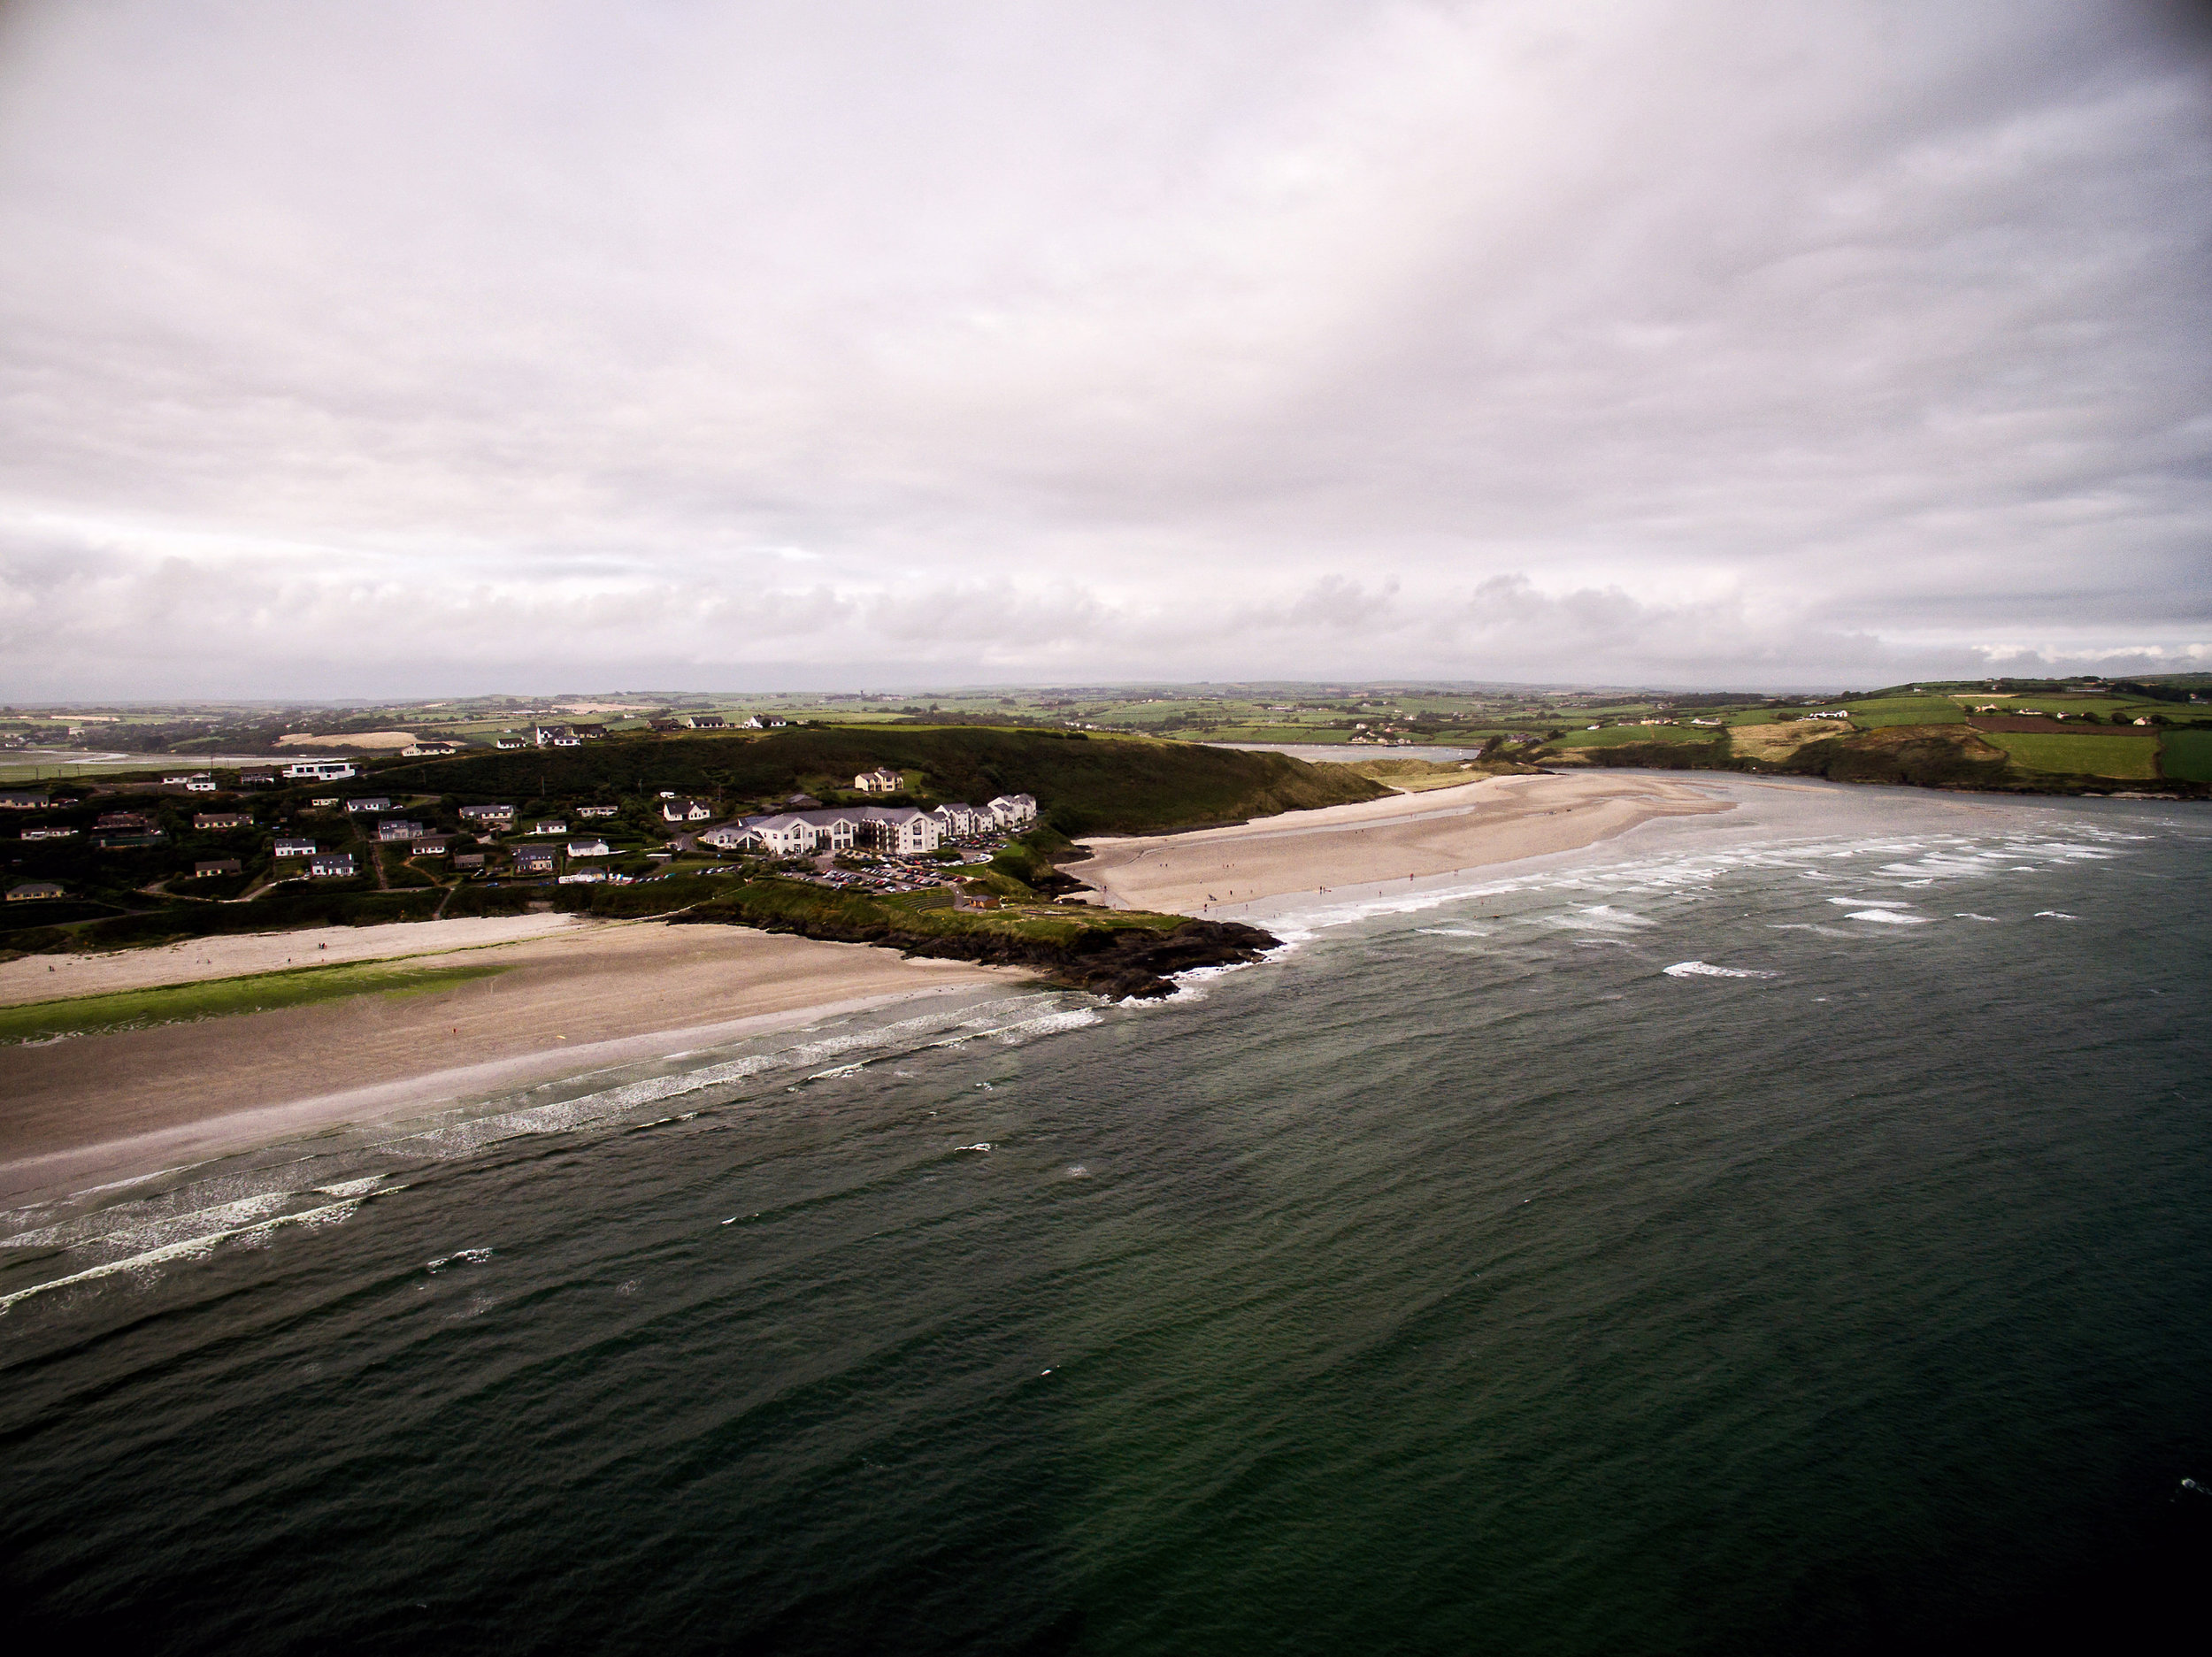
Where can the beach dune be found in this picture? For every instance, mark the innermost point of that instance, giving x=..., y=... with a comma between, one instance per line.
x=1496, y=820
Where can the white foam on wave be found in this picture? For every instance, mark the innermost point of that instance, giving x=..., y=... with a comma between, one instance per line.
x=459, y=1256
x=607, y=1105
x=1868, y=904
x=1887, y=916
x=2054, y=915
x=1706, y=969
x=147, y=1265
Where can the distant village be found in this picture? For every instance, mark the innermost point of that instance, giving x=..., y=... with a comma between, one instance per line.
x=234, y=849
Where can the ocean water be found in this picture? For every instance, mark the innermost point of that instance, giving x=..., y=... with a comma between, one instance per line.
x=1786, y=1231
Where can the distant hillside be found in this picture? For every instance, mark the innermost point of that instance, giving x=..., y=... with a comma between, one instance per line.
x=1084, y=785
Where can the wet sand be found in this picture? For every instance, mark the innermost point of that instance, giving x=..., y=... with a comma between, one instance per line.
x=1497, y=820
x=78, y=1112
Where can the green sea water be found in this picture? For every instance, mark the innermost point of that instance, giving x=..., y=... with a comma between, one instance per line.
x=1780, y=1231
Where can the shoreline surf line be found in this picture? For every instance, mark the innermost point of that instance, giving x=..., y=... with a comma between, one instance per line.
x=1437, y=834
x=111, y=1164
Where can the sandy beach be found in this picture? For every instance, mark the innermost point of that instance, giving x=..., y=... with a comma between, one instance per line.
x=46, y=978
x=579, y=996
x=1496, y=820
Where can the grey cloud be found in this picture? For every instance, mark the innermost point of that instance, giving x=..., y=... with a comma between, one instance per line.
x=1697, y=339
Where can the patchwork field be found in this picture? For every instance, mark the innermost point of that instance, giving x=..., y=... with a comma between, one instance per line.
x=2187, y=756
x=1613, y=735
x=2122, y=757
x=1878, y=712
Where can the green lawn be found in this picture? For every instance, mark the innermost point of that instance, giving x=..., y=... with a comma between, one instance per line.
x=2125, y=757
x=218, y=998
x=2186, y=756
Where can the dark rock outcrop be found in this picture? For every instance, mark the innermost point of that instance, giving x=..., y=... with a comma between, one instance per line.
x=1118, y=963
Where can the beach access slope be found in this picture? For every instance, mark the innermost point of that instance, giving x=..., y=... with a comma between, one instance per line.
x=1442, y=830
x=571, y=998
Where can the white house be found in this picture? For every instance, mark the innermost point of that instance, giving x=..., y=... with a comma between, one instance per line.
x=590, y=848
x=330, y=864
x=488, y=815
x=686, y=811
x=879, y=781
x=199, y=785
x=706, y=722
x=420, y=750
x=1011, y=810
x=322, y=769
x=399, y=829
x=295, y=848
x=786, y=834
x=511, y=742
x=374, y=802
x=596, y=810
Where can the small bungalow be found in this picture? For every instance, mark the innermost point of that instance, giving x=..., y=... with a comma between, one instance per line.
x=551, y=826
x=511, y=742
x=430, y=846
x=49, y=833
x=320, y=770
x=468, y=860
x=121, y=823
x=331, y=866
x=590, y=848
x=207, y=866
x=32, y=891
x=288, y=847
x=399, y=829
x=371, y=803
x=200, y=785
x=706, y=722
x=428, y=750
x=596, y=810
x=23, y=799
x=686, y=811
x=488, y=815
x=534, y=860
x=216, y=822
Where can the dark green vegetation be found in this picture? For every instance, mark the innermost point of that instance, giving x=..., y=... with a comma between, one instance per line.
x=120, y=897
x=217, y=998
x=1114, y=953
x=1083, y=784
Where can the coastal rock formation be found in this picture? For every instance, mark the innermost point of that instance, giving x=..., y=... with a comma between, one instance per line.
x=1119, y=963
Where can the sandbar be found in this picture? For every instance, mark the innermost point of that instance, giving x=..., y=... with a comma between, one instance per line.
x=91, y=1109
x=1494, y=820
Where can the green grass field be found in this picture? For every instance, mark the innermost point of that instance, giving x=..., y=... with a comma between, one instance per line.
x=220, y=998
x=2122, y=757
x=2186, y=756
x=1882, y=711
x=1614, y=735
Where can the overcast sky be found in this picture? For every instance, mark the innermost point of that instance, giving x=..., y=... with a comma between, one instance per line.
x=405, y=348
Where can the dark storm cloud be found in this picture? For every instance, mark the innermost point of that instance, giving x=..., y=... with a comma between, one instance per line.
x=511, y=346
